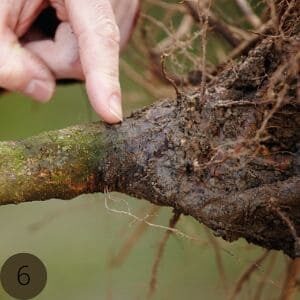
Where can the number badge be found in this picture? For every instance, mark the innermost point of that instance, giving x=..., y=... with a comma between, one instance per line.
x=23, y=276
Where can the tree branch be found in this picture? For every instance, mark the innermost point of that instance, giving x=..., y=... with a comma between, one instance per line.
x=201, y=157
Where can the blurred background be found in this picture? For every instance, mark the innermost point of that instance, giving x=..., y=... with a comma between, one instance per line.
x=93, y=253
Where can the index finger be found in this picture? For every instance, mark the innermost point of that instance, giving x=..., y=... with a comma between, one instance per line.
x=98, y=36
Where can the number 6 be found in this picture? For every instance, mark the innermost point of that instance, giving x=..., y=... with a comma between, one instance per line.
x=25, y=275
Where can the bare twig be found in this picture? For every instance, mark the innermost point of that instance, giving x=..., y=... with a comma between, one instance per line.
x=251, y=17
x=126, y=248
x=274, y=207
x=216, y=24
x=286, y=14
x=204, y=45
x=159, y=255
x=247, y=274
x=183, y=29
x=273, y=13
x=136, y=77
x=264, y=279
x=144, y=219
x=246, y=45
x=290, y=284
x=167, y=77
x=168, y=6
x=218, y=257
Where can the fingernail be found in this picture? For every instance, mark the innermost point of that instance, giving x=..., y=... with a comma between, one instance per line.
x=39, y=90
x=115, y=107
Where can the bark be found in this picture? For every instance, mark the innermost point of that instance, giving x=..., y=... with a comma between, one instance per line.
x=229, y=158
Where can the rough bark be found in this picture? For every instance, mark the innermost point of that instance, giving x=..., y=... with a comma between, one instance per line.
x=229, y=158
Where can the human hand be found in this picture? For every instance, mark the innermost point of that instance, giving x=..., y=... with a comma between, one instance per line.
x=86, y=47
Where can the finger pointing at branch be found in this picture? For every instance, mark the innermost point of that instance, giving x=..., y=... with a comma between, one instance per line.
x=98, y=36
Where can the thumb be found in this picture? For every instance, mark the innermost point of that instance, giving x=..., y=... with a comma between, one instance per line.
x=21, y=71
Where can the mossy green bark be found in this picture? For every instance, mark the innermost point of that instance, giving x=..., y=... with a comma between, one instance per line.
x=53, y=164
